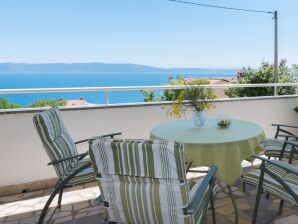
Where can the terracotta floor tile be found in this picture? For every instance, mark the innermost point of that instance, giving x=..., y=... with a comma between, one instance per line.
x=78, y=207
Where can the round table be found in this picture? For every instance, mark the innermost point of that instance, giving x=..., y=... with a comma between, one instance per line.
x=225, y=147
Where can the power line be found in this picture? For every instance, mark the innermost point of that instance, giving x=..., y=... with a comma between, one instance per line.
x=221, y=7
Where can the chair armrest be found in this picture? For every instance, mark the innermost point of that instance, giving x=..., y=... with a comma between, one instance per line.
x=292, y=142
x=194, y=204
x=81, y=141
x=280, y=128
x=106, y=135
x=289, y=168
x=285, y=125
x=285, y=134
x=112, y=134
x=289, y=136
x=80, y=156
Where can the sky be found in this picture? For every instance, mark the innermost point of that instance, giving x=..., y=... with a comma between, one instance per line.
x=150, y=32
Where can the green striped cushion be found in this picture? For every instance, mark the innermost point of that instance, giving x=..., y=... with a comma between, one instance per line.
x=85, y=176
x=140, y=200
x=55, y=138
x=142, y=181
x=143, y=158
x=273, y=147
x=291, y=178
x=272, y=186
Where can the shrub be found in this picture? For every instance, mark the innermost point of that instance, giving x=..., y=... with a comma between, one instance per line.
x=47, y=103
x=265, y=74
x=5, y=104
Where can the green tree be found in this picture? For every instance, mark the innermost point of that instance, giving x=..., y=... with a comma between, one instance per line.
x=5, y=104
x=150, y=96
x=47, y=103
x=295, y=69
x=265, y=74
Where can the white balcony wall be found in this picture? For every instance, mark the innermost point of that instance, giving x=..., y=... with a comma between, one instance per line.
x=23, y=158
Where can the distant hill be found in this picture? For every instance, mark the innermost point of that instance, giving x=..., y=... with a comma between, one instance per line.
x=103, y=68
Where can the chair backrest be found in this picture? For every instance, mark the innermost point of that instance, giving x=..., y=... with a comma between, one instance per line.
x=142, y=181
x=55, y=138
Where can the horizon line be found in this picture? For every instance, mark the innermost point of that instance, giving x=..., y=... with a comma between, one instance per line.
x=120, y=63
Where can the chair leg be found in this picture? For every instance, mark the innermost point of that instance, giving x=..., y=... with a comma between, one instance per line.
x=234, y=203
x=60, y=185
x=267, y=195
x=98, y=200
x=212, y=208
x=254, y=218
x=46, y=207
x=60, y=198
x=243, y=184
x=281, y=204
x=259, y=192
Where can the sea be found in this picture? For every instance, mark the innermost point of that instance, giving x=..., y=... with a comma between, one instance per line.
x=60, y=80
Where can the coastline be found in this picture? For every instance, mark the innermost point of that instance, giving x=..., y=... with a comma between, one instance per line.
x=62, y=80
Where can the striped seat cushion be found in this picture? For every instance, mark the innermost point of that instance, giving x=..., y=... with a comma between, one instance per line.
x=273, y=147
x=144, y=200
x=271, y=185
x=142, y=181
x=55, y=138
x=85, y=176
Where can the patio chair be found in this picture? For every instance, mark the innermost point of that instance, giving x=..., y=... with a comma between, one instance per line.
x=277, y=178
x=144, y=181
x=71, y=168
x=274, y=147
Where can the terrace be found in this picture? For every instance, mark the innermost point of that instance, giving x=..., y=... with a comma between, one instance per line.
x=25, y=187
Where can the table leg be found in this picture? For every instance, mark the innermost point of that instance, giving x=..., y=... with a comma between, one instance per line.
x=188, y=167
x=234, y=203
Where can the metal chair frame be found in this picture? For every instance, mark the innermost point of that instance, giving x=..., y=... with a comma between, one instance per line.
x=209, y=179
x=281, y=132
x=63, y=182
x=280, y=181
x=284, y=134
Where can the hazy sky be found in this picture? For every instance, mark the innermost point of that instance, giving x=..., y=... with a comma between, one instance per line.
x=150, y=32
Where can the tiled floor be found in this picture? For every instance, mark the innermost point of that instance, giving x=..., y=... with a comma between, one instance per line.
x=79, y=207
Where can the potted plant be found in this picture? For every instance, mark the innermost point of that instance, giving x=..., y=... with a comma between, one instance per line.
x=196, y=98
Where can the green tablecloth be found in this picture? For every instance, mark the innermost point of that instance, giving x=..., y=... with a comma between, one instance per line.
x=224, y=146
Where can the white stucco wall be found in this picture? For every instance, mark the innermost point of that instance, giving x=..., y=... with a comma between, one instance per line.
x=23, y=158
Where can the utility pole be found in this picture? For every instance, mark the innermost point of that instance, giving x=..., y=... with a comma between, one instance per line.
x=275, y=78
x=275, y=51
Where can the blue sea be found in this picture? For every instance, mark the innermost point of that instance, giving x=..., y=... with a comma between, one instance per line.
x=55, y=80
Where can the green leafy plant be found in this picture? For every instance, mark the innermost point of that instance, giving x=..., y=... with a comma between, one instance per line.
x=47, y=103
x=5, y=104
x=296, y=108
x=193, y=96
x=264, y=75
x=171, y=94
